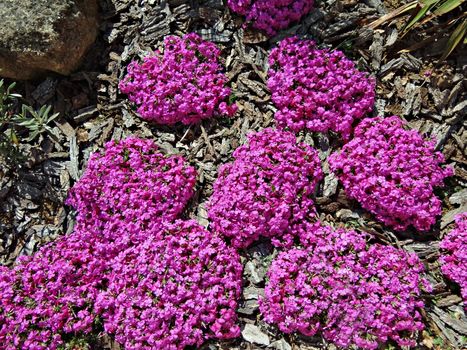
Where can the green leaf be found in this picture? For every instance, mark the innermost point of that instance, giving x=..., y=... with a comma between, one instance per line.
x=448, y=6
x=53, y=117
x=27, y=123
x=455, y=38
x=13, y=137
x=33, y=135
x=426, y=6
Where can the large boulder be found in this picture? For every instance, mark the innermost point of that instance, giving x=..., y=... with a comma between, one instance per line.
x=40, y=36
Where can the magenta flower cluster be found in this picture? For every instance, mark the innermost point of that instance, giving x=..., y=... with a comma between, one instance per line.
x=270, y=16
x=267, y=191
x=353, y=294
x=392, y=172
x=184, y=83
x=47, y=300
x=317, y=90
x=131, y=181
x=454, y=258
x=178, y=288
x=151, y=282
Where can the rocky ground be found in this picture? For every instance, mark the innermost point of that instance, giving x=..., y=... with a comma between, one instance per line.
x=411, y=83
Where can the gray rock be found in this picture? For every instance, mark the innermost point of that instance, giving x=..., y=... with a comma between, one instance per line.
x=459, y=197
x=253, y=293
x=255, y=273
x=330, y=185
x=253, y=334
x=39, y=36
x=249, y=307
x=347, y=214
x=280, y=344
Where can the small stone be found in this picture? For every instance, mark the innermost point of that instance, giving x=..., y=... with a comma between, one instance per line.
x=449, y=300
x=330, y=185
x=249, y=307
x=347, y=214
x=280, y=345
x=459, y=197
x=256, y=276
x=253, y=334
x=252, y=292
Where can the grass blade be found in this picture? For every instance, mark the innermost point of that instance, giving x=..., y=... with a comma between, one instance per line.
x=393, y=14
x=426, y=6
x=456, y=37
x=448, y=6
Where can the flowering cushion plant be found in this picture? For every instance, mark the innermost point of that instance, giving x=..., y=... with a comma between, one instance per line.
x=177, y=288
x=392, y=172
x=47, y=300
x=351, y=293
x=183, y=83
x=454, y=258
x=317, y=90
x=270, y=16
x=267, y=191
x=131, y=181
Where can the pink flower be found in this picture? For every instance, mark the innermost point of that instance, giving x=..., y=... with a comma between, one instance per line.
x=267, y=191
x=392, y=172
x=270, y=16
x=132, y=182
x=317, y=90
x=178, y=287
x=454, y=257
x=351, y=293
x=182, y=84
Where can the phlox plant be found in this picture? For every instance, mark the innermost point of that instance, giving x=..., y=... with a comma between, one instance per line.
x=47, y=300
x=267, y=191
x=131, y=181
x=391, y=172
x=351, y=293
x=270, y=16
x=166, y=287
x=177, y=288
x=454, y=256
x=183, y=83
x=317, y=90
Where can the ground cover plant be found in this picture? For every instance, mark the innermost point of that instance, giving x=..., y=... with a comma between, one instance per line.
x=181, y=288
x=353, y=293
x=271, y=16
x=156, y=251
x=182, y=83
x=392, y=172
x=47, y=300
x=132, y=181
x=267, y=191
x=317, y=90
x=454, y=259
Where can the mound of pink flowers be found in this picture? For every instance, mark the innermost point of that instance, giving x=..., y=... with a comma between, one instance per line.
x=46, y=301
x=184, y=83
x=178, y=288
x=131, y=181
x=353, y=294
x=454, y=258
x=317, y=90
x=392, y=172
x=270, y=16
x=267, y=191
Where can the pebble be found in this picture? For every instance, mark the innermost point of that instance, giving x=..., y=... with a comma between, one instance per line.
x=253, y=334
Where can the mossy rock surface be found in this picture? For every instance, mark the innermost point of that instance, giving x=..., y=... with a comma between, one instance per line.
x=41, y=36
